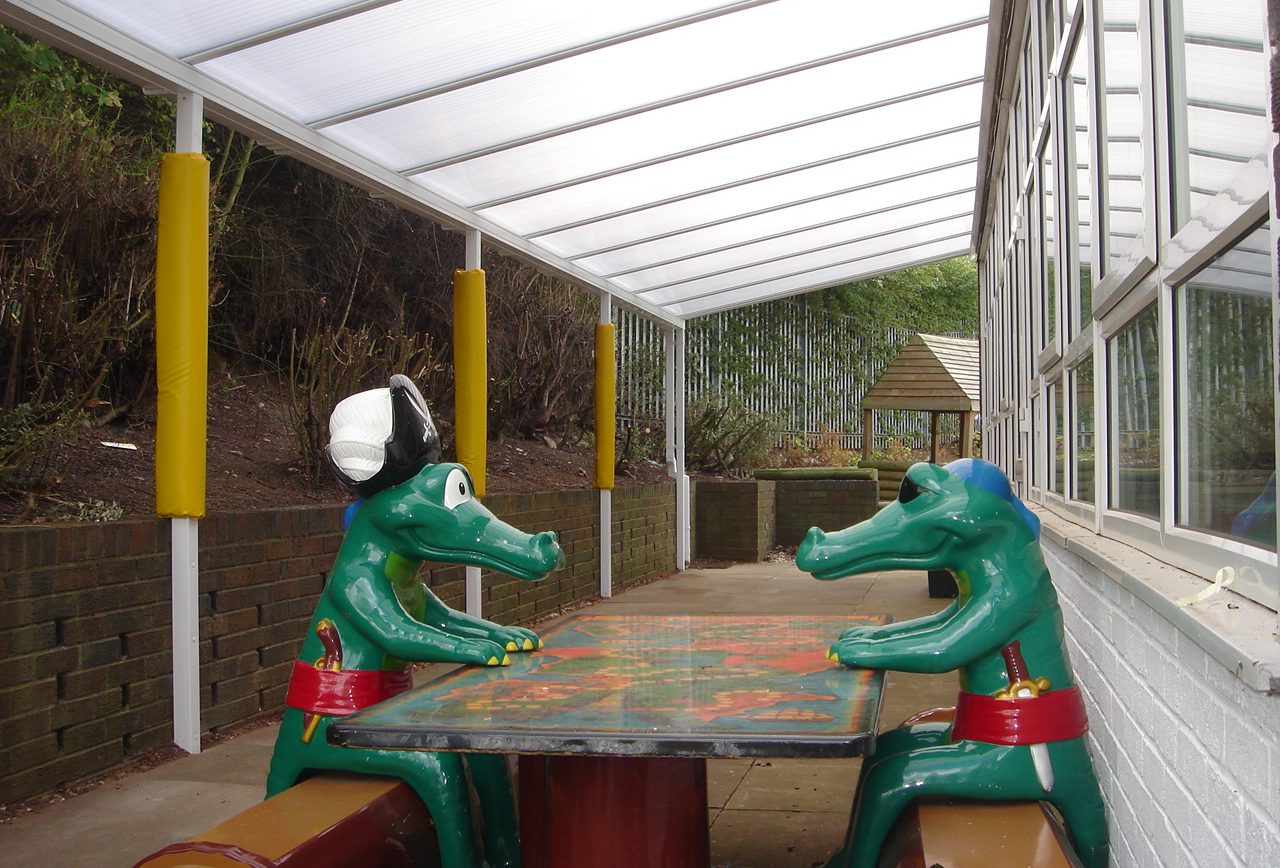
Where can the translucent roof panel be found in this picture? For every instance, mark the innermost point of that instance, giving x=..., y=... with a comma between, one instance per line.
x=805, y=259
x=682, y=156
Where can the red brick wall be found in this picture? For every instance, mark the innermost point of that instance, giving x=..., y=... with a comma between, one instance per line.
x=85, y=678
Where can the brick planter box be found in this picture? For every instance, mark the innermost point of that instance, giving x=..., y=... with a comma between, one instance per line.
x=830, y=504
x=734, y=519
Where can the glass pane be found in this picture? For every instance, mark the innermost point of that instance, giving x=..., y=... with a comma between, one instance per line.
x=1050, y=31
x=1057, y=433
x=1224, y=112
x=1134, y=355
x=1228, y=457
x=1033, y=463
x=1122, y=119
x=1081, y=177
x=1082, y=410
x=1049, y=249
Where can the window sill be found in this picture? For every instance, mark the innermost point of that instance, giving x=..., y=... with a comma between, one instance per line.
x=1233, y=630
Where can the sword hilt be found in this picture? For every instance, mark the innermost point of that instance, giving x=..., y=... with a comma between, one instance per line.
x=1020, y=681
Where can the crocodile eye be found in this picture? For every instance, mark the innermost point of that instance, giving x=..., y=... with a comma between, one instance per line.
x=457, y=490
x=908, y=491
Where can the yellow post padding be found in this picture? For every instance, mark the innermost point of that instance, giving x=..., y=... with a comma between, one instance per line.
x=606, y=400
x=182, y=335
x=470, y=372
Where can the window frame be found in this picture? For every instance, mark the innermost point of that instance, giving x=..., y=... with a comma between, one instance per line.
x=1121, y=276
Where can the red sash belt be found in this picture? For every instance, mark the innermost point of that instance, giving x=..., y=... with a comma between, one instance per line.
x=341, y=692
x=1053, y=716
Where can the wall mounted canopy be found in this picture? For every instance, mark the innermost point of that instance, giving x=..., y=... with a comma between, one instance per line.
x=684, y=157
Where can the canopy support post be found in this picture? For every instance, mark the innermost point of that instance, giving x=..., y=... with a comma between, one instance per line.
x=674, y=382
x=867, y=420
x=471, y=401
x=606, y=435
x=933, y=436
x=182, y=363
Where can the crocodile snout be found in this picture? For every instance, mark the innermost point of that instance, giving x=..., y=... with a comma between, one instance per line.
x=548, y=547
x=809, y=555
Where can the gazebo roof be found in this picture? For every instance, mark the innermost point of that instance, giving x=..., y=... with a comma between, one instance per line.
x=930, y=373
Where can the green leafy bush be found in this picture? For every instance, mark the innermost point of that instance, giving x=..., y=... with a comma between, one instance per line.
x=724, y=436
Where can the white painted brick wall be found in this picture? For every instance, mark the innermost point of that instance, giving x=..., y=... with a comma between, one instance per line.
x=1188, y=757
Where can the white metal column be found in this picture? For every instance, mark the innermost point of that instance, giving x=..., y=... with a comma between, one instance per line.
x=474, y=589
x=682, y=479
x=606, y=494
x=184, y=535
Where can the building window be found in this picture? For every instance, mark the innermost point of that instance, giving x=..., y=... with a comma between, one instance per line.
x=1033, y=466
x=1079, y=176
x=1134, y=368
x=1082, y=460
x=1218, y=81
x=1121, y=122
x=1048, y=249
x=1227, y=457
x=1057, y=438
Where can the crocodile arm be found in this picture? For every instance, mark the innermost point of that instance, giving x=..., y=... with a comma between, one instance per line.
x=975, y=630
x=370, y=606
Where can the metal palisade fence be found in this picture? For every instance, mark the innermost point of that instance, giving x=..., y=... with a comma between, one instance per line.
x=803, y=367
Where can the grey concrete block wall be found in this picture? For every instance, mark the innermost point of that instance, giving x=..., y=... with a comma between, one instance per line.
x=1187, y=755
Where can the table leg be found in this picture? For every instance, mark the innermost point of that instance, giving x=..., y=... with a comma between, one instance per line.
x=620, y=812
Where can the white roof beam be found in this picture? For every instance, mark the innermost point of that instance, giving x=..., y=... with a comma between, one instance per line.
x=724, y=143
x=764, y=176
x=535, y=62
x=824, y=284
x=760, y=239
x=300, y=26
x=843, y=242
x=690, y=96
x=662, y=236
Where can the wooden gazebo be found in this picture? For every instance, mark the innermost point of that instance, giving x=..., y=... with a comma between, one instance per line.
x=931, y=373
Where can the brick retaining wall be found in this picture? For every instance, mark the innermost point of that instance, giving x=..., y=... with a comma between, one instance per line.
x=85, y=681
x=831, y=504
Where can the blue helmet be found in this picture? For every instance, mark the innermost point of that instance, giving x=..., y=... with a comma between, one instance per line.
x=987, y=477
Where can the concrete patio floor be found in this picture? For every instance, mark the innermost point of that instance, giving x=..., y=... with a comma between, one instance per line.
x=763, y=813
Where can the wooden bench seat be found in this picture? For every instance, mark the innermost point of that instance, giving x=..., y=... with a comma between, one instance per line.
x=331, y=819
x=978, y=835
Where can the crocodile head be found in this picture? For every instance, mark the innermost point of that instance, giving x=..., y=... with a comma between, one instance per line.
x=434, y=516
x=944, y=518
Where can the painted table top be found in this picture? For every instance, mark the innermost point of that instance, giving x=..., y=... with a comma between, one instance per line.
x=681, y=685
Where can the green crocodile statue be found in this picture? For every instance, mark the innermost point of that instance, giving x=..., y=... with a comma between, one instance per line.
x=375, y=616
x=1018, y=729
